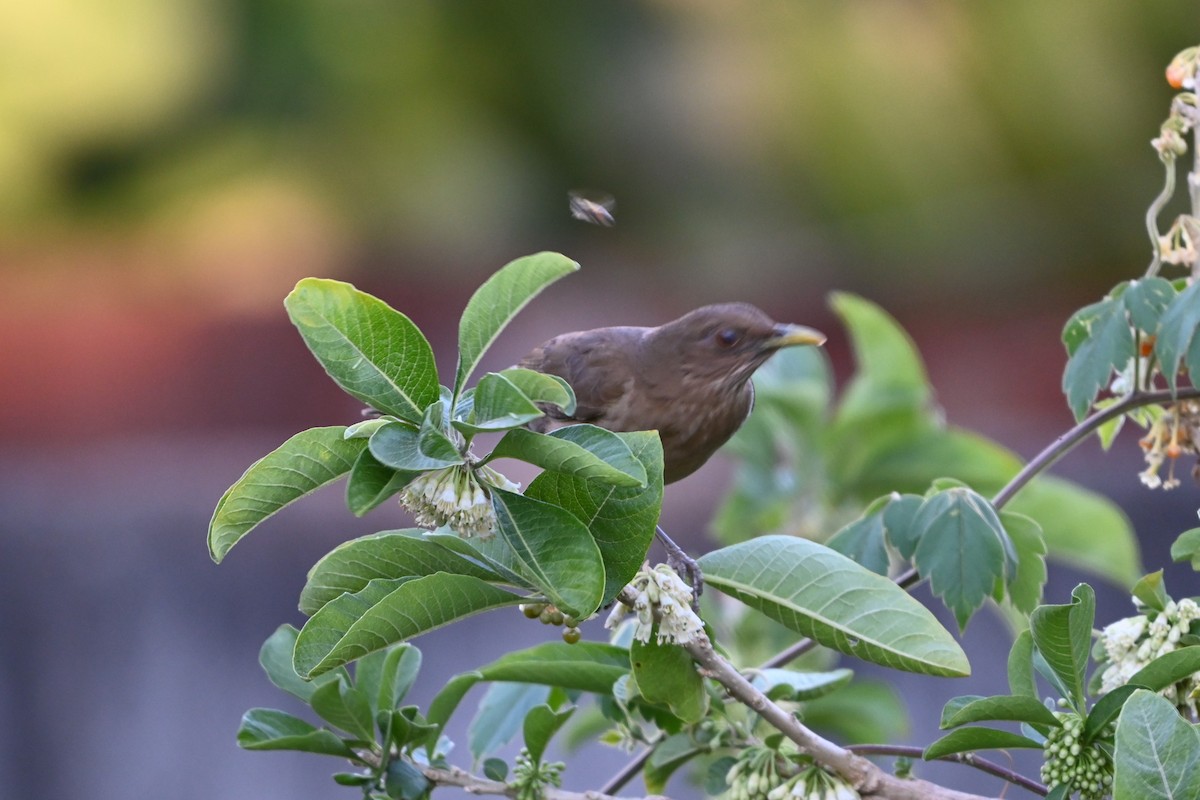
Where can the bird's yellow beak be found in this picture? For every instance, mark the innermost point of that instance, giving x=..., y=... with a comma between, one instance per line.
x=789, y=335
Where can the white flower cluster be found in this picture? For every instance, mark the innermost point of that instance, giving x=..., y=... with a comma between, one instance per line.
x=755, y=776
x=456, y=496
x=1133, y=642
x=813, y=783
x=660, y=587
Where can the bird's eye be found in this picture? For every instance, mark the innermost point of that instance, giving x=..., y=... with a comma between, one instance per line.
x=728, y=337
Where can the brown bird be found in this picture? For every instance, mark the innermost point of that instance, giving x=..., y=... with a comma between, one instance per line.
x=688, y=379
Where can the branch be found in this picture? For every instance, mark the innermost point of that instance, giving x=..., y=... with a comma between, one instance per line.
x=473, y=784
x=1065, y=443
x=969, y=759
x=866, y=778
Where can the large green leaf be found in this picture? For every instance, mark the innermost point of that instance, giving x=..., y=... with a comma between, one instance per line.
x=298, y=467
x=863, y=540
x=585, y=451
x=963, y=550
x=1168, y=669
x=1062, y=635
x=541, y=387
x=822, y=594
x=350, y=566
x=1157, y=753
x=268, y=729
x=621, y=519
x=373, y=351
x=1177, y=330
x=498, y=300
x=556, y=550
x=1108, y=347
x=354, y=625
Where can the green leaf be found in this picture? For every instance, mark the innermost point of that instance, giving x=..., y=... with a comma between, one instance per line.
x=584, y=666
x=501, y=714
x=822, y=594
x=276, y=660
x=1168, y=669
x=1157, y=753
x=1014, y=708
x=863, y=541
x=495, y=769
x=669, y=755
x=432, y=441
x=1083, y=529
x=350, y=566
x=541, y=723
x=268, y=729
x=345, y=707
x=371, y=483
x=666, y=676
x=585, y=451
x=542, y=388
x=786, y=684
x=353, y=625
x=399, y=447
x=1151, y=592
x=491, y=553
x=446, y=701
x=1146, y=299
x=963, y=550
x=498, y=300
x=498, y=405
x=898, y=527
x=966, y=740
x=1108, y=347
x=1176, y=332
x=555, y=549
x=400, y=669
x=298, y=467
x=1020, y=666
x=404, y=781
x=1025, y=590
x=889, y=370
x=371, y=350
x=1187, y=548
x=621, y=519
x=1063, y=637
x=1106, y=711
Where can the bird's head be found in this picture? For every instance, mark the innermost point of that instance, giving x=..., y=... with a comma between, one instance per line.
x=727, y=342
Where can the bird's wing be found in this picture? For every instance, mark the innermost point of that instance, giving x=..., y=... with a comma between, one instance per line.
x=589, y=361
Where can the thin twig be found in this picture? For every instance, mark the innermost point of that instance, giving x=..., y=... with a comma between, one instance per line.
x=968, y=759
x=617, y=782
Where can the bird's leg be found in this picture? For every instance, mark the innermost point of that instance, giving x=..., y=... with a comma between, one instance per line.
x=683, y=564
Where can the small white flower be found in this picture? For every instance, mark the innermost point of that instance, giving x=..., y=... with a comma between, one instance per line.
x=662, y=588
x=455, y=496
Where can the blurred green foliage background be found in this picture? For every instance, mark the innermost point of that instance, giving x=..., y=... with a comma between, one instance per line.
x=170, y=168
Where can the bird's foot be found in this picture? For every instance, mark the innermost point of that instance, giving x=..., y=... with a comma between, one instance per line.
x=684, y=565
